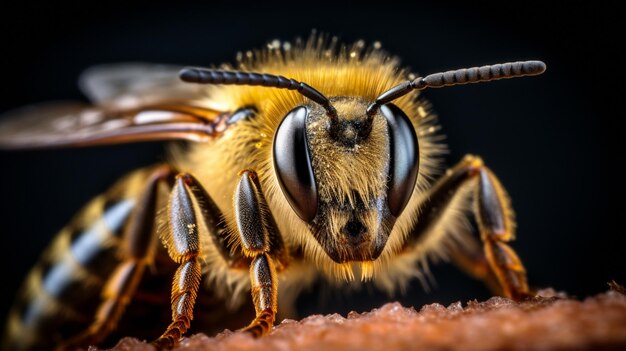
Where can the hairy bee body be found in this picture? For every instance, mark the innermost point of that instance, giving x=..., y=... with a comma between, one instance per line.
x=248, y=144
x=352, y=234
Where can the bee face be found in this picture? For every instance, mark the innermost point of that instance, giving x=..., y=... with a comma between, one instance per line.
x=342, y=176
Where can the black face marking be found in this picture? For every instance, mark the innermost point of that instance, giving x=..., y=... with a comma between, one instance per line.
x=404, y=163
x=354, y=231
x=355, y=241
x=349, y=133
x=292, y=163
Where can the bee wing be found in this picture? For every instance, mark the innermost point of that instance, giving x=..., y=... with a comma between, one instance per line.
x=115, y=83
x=132, y=102
x=76, y=124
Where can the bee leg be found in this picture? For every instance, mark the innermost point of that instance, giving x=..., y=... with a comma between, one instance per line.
x=495, y=219
x=139, y=244
x=183, y=246
x=470, y=258
x=256, y=229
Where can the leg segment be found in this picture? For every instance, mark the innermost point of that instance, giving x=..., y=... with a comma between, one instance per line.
x=472, y=260
x=139, y=244
x=495, y=221
x=259, y=240
x=188, y=200
x=183, y=246
x=264, y=287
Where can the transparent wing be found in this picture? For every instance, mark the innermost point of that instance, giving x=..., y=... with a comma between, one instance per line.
x=133, y=102
x=75, y=124
x=125, y=84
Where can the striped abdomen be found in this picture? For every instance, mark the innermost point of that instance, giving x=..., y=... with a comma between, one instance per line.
x=62, y=292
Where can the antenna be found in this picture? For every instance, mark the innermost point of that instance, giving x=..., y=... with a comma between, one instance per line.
x=212, y=76
x=456, y=77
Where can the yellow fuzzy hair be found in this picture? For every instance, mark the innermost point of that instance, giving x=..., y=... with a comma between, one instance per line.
x=353, y=71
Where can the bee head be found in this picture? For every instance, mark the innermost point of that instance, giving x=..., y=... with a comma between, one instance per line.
x=348, y=176
x=348, y=169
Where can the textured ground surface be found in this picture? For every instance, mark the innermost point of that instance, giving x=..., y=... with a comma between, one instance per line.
x=545, y=323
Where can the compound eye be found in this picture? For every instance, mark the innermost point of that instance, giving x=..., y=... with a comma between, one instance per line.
x=292, y=163
x=404, y=161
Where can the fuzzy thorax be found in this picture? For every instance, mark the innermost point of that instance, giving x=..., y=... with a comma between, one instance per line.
x=354, y=74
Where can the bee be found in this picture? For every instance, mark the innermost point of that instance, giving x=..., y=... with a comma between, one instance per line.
x=302, y=162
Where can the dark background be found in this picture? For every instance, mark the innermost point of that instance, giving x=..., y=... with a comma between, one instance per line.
x=555, y=141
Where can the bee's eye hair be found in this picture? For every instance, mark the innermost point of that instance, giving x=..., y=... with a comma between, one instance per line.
x=292, y=163
x=213, y=76
x=460, y=76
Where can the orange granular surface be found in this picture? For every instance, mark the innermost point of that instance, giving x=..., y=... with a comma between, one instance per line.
x=547, y=322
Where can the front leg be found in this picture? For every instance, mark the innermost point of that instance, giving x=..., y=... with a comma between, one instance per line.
x=259, y=239
x=256, y=229
x=498, y=264
x=183, y=246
